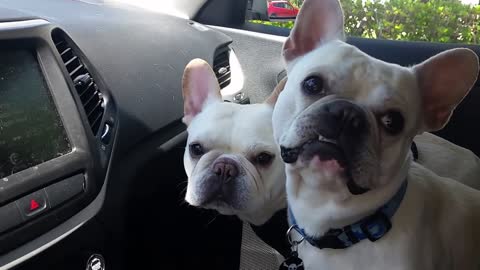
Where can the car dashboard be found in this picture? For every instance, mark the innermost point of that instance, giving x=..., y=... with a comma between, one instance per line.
x=81, y=85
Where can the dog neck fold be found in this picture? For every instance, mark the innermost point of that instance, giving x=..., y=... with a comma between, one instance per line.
x=372, y=227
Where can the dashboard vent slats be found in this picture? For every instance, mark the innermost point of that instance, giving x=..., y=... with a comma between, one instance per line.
x=87, y=90
x=221, y=67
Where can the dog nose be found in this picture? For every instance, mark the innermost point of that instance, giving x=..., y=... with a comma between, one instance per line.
x=342, y=117
x=289, y=155
x=226, y=169
x=218, y=185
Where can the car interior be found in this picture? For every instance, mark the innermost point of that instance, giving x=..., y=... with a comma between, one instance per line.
x=109, y=105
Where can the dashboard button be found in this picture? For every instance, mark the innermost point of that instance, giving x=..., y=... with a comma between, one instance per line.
x=33, y=204
x=9, y=217
x=62, y=191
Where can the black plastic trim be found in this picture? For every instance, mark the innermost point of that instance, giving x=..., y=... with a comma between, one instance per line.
x=86, y=157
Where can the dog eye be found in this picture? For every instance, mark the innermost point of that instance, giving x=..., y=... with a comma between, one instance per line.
x=313, y=85
x=392, y=121
x=196, y=150
x=264, y=159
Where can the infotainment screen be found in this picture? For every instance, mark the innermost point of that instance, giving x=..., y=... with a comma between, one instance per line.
x=31, y=131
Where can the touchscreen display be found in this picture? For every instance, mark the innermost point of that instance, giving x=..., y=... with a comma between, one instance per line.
x=31, y=131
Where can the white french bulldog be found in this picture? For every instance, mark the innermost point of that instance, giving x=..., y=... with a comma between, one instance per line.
x=232, y=161
x=243, y=134
x=344, y=123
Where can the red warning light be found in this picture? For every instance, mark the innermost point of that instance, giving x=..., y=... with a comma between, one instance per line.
x=34, y=205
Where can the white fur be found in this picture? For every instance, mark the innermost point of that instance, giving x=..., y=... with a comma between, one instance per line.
x=236, y=130
x=452, y=161
x=433, y=229
x=438, y=223
x=225, y=125
x=239, y=131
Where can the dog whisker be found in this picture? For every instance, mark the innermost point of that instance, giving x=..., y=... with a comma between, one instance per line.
x=213, y=219
x=182, y=198
x=183, y=191
x=182, y=183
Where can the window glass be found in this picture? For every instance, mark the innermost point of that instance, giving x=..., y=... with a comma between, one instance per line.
x=446, y=21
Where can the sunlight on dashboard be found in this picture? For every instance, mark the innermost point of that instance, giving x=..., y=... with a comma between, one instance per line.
x=168, y=7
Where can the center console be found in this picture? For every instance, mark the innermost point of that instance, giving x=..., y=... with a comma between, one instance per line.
x=57, y=129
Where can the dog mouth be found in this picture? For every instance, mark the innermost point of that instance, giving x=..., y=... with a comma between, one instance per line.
x=224, y=197
x=221, y=204
x=218, y=204
x=323, y=148
x=326, y=152
x=217, y=200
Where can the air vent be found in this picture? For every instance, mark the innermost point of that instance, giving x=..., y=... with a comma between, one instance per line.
x=86, y=88
x=221, y=66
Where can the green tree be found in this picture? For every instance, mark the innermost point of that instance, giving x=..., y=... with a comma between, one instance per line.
x=413, y=20
x=297, y=3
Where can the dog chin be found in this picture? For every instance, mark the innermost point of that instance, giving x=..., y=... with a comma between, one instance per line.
x=328, y=167
x=224, y=208
x=225, y=211
x=221, y=208
x=329, y=173
x=323, y=173
x=253, y=216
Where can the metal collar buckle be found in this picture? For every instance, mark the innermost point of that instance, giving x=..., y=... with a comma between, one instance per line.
x=294, y=243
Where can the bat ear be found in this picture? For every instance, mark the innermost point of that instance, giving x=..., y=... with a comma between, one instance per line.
x=318, y=21
x=272, y=99
x=199, y=88
x=444, y=80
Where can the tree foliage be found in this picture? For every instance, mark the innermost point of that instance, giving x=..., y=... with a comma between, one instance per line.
x=447, y=21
